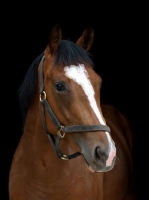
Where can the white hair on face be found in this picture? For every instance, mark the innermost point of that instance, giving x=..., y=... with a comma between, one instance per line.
x=80, y=76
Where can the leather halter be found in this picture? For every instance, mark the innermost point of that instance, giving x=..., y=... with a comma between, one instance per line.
x=62, y=129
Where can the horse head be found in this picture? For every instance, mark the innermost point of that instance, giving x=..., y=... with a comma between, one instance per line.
x=70, y=96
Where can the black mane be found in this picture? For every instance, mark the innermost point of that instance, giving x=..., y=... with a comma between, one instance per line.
x=67, y=53
x=27, y=88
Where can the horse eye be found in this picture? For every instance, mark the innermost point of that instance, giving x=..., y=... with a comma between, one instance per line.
x=59, y=86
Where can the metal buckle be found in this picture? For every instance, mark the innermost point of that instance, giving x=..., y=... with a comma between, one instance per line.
x=64, y=157
x=44, y=95
x=60, y=132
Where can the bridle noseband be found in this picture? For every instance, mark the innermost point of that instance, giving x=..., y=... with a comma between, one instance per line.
x=62, y=130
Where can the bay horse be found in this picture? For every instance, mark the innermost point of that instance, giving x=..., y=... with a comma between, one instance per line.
x=72, y=147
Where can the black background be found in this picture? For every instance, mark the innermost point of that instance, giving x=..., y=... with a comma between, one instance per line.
x=120, y=56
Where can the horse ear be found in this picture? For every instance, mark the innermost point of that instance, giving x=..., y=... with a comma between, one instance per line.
x=86, y=40
x=54, y=39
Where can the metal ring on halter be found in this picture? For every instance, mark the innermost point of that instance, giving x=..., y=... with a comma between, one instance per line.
x=64, y=157
x=60, y=132
x=44, y=94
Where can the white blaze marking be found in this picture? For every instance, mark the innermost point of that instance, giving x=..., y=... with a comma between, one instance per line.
x=80, y=76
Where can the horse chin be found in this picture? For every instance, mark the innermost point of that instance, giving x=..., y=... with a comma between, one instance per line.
x=103, y=169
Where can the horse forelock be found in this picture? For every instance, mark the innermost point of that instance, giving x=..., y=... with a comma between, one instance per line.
x=69, y=53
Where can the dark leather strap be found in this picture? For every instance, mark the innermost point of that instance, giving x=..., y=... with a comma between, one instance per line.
x=51, y=114
x=41, y=75
x=85, y=128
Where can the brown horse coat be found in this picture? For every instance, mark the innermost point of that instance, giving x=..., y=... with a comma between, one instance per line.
x=36, y=171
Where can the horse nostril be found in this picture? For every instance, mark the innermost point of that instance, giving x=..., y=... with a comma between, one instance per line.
x=97, y=153
x=100, y=154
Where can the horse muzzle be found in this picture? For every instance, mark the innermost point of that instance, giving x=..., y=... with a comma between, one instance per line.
x=99, y=160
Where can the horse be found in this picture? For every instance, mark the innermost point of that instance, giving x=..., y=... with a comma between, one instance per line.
x=72, y=146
